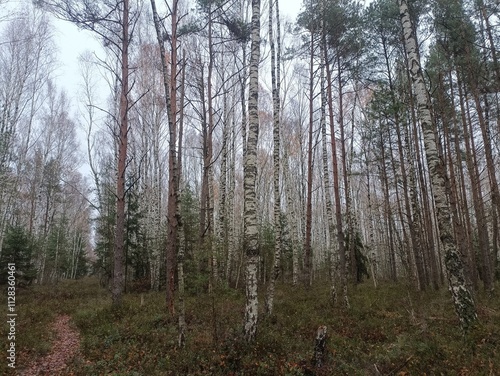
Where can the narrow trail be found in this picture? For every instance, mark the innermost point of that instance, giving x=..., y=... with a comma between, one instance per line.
x=65, y=346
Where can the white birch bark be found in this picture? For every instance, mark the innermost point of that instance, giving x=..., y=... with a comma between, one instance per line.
x=293, y=218
x=462, y=296
x=275, y=78
x=232, y=241
x=326, y=180
x=250, y=172
x=222, y=220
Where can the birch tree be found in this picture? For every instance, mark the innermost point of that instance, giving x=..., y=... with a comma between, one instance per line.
x=275, y=78
x=462, y=296
x=26, y=65
x=251, y=239
x=327, y=185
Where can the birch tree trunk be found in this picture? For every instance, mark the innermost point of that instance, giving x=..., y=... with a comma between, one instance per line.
x=222, y=215
x=427, y=228
x=275, y=78
x=250, y=173
x=371, y=236
x=351, y=263
x=462, y=296
x=293, y=218
x=326, y=181
x=232, y=241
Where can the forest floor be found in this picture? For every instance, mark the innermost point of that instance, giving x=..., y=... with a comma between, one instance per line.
x=390, y=330
x=65, y=347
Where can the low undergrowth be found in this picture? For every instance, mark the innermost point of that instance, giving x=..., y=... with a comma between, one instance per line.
x=387, y=331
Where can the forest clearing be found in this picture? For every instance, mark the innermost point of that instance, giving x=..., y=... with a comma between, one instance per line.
x=390, y=330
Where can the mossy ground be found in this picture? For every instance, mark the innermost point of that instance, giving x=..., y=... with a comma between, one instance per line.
x=387, y=331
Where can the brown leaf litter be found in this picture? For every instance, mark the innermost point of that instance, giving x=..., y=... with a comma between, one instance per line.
x=66, y=345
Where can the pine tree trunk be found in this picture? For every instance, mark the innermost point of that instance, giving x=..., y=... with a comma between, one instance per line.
x=462, y=297
x=119, y=251
x=495, y=193
x=463, y=237
x=170, y=86
x=484, y=15
x=478, y=201
x=336, y=183
x=405, y=255
x=459, y=229
x=308, y=209
x=250, y=173
x=209, y=156
x=388, y=210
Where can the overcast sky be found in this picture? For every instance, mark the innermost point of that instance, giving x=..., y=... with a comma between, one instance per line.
x=72, y=42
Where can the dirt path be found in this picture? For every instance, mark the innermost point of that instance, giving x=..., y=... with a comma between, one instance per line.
x=65, y=347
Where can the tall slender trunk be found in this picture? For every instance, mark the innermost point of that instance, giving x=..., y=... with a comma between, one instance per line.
x=222, y=220
x=412, y=220
x=486, y=18
x=336, y=181
x=482, y=114
x=428, y=253
x=293, y=218
x=371, y=232
x=343, y=157
x=275, y=81
x=388, y=212
x=230, y=207
x=308, y=218
x=209, y=156
x=326, y=181
x=181, y=251
x=205, y=224
x=459, y=229
x=462, y=297
x=464, y=237
x=416, y=223
x=251, y=236
x=170, y=86
x=119, y=251
x=486, y=271
x=405, y=255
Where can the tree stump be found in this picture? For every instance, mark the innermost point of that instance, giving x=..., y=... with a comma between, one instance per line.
x=319, y=347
